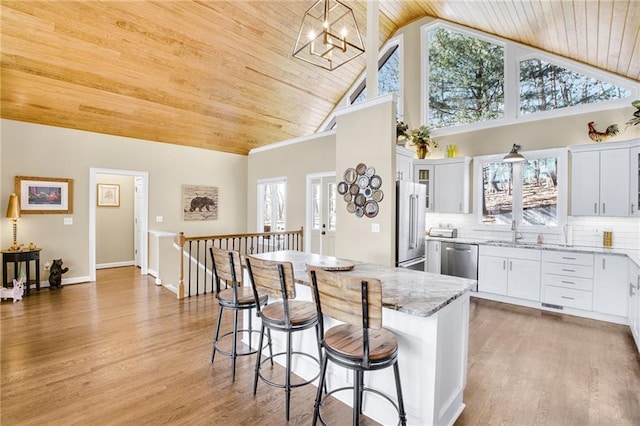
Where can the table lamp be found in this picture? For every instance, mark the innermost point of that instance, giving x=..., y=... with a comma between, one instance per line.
x=13, y=213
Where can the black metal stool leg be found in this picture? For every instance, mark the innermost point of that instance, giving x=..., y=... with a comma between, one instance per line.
x=361, y=382
x=234, y=349
x=215, y=338
x=258, y=356
x=403, y=415
x=250, y=328
x=356, y=398
x=287, y=379
x=321, y=384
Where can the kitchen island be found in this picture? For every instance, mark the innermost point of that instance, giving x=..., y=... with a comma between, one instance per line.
x=429, y=315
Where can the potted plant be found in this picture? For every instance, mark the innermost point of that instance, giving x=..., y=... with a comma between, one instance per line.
x=402, y=132
x=421, y=139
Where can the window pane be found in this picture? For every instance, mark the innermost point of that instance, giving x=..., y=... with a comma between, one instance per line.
x=545, y=86
x=540, y=192
x=315, y=194
x=466, y=79
x=388, y=77
x=280, y=206
x=266, y=206
x=497, y=194
x=332, y=206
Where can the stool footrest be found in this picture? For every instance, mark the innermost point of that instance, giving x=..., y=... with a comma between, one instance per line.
x=282, y=385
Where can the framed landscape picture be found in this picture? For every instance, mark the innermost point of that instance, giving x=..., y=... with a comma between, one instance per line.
x=41, y=195
x=108, y=195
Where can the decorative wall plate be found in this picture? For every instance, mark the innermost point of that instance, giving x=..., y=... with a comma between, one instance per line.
x=361, y=190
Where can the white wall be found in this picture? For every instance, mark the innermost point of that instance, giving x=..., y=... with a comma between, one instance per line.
x=35, y=150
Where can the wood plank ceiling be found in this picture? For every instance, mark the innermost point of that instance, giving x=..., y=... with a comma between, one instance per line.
x=219, y=74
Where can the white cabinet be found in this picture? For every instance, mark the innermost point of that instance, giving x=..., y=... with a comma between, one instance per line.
x=634, y=301
x=600, y=182
x=610, y=290
x=433, y=257
x=448, y=183
x=567, y=279
x=507, y=271
x=424, y=174
x=634, y=183
x=404, y=164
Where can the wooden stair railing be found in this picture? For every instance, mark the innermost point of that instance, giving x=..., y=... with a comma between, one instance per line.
x=197, y=277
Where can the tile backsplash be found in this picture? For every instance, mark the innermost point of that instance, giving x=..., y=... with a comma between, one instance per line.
x=587, y=231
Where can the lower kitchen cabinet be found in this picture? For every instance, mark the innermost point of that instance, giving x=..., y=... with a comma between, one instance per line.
x=634, y=301
x=567, y=279
x=610, y=288
x=433, y=257
x=512, y=272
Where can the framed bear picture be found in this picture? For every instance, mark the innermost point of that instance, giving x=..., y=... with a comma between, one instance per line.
x=199, y=202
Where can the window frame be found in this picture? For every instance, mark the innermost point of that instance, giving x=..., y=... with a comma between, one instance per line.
x=261, y=184
x=513, y=54
x=360, y=83
x=562, y=172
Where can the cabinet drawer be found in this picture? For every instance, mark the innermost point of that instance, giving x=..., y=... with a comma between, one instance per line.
x=510, y=252
x=568, y=282
x=567, y=297
x=568, y=257
x=569, y=270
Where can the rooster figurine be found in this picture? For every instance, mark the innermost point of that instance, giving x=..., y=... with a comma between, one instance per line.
x=597, y=136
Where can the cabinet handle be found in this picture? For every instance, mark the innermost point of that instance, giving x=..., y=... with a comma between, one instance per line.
x=595, y=208
x=603, y=264
x=567, y=282
x=568, y=270
x=567, y=297
x=604, y=210
x=569, y=258
x=504, y=266
x=631, y=208
x=460, y=207
x=631, y=293
x=510, y=265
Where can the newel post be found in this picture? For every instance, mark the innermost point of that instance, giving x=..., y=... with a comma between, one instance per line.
x=180, y=240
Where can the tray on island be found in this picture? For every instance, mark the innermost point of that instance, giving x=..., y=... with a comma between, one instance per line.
x=332, y=265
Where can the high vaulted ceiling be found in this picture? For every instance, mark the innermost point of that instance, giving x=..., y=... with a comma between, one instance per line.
x=219, y=74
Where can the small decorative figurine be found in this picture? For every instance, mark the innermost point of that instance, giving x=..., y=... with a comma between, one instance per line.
x=597, y=136
x=14, y=293
x=55, y=274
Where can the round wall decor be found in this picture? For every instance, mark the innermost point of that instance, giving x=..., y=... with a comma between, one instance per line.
x=361, y=190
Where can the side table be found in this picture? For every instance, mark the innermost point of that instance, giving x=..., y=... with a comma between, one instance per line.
x=27, y=256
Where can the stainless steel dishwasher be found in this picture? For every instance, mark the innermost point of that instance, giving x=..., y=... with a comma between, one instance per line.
x=459, y=260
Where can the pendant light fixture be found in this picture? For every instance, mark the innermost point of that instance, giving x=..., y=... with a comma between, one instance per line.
x=329, y=35
x=514, y=156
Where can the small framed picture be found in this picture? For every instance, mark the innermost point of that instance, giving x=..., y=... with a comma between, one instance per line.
x=41, y=195
x=108, y=195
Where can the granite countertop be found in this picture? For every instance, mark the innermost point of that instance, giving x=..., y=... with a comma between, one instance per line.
x=634, y=255
x=413, y=292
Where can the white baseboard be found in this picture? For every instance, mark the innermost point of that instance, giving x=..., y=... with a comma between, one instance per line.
x=173, y=289
x=115, y=264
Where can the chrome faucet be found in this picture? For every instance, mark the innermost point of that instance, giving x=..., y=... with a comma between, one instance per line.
x=514, y=232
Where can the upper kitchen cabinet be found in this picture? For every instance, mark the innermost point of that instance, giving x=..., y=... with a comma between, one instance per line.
x=600, y=183
x=634, y=188
x=448, y=183
x=404, y=164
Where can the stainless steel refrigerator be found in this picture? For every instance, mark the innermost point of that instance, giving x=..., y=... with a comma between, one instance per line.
x=410, y=224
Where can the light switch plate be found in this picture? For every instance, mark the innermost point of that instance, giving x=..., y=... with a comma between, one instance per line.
x=375, y=227
x=68, y=221
x=159, y=219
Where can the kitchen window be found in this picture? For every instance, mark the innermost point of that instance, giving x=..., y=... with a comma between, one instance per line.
x=533, y=193
x=272, y=201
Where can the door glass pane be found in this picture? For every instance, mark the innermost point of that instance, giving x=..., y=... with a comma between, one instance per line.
x=497, y=193
x=315, y=214
x=540, y=192
x=267, y=207
x=332, y=206
x=280, y=206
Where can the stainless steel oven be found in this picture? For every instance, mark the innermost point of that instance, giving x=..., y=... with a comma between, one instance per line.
x=459, y=260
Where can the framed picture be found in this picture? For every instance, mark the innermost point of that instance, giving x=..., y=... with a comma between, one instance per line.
x=108, y=195
x=40, y=195
x=199, y=202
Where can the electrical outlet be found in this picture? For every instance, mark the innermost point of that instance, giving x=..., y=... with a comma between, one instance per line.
x=47, y=266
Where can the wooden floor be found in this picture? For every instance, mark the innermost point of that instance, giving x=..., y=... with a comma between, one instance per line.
x=124, y=351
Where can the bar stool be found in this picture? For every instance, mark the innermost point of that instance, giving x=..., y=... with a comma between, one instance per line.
x=228, y=267
x=360, y=344
x=285, y=315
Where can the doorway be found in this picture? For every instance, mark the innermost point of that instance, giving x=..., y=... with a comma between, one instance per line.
x=321, y=213
x=140, y=202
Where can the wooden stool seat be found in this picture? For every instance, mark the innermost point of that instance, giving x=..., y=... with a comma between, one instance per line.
x=346, y=340
x=299, y=312
x=245, y=296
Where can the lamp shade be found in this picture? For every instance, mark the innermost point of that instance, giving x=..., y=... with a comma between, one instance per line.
x=13, y=209
x=514, y=156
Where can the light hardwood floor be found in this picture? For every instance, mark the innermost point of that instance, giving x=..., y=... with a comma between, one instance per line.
x=124, y=351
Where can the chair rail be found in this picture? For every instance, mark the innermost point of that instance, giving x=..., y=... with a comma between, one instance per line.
x=196, y=278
